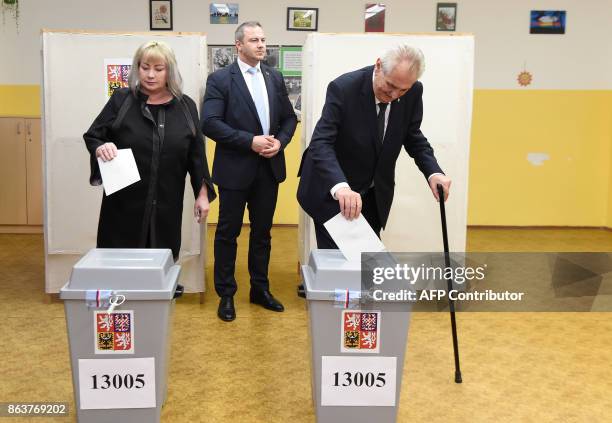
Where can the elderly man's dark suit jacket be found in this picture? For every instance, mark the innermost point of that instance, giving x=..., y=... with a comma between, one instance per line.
x=345, y=146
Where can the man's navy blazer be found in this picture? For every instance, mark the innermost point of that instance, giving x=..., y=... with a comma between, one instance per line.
x=345, y=148
x=229, y=117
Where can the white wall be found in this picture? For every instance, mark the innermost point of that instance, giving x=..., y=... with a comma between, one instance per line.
x=580, y=59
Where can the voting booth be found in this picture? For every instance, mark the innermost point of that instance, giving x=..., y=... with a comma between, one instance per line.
x=80, y=68
x=413, y=224
x=357, y=350
x=119, y=305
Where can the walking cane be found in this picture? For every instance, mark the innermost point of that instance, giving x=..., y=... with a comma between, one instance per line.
x=449, y=281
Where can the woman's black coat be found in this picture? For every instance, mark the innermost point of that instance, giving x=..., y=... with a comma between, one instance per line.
x=148, y=214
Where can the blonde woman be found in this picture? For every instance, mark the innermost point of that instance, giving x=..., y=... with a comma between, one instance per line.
x=160, y=124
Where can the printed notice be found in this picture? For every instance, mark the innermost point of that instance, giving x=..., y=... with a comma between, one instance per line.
x=117, y=383
x=358, y=381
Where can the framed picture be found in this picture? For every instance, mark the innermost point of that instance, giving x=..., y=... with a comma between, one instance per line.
x=302, y=19
x=547, y=22
x=446, y=17
x=224, y=13
x=160, y=14
x=221, y=56
x=375, y=17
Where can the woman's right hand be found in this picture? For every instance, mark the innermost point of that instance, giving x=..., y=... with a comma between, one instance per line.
x=107, y=151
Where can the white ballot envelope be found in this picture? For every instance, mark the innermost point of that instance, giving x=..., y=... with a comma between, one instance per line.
x=119, y=172
x=353, y=236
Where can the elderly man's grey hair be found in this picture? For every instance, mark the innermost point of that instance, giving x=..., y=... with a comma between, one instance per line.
x=239, y=34
x=402, y=53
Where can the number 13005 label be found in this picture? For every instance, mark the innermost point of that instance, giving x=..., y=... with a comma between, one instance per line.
x=358, y=381
x=117, y=383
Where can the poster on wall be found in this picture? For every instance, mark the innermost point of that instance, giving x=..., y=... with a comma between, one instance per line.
x=272, y=58
x=224, y=13
x=116, y=72
x=224, y=55
x=547, y=22
x=291, y=68
x=375, y=17
x=220, y=57
x=291, y=60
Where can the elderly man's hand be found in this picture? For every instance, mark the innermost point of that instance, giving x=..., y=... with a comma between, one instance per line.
x=350, y=203
x=443, y=180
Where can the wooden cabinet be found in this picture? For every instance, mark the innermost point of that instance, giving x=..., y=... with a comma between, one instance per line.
x=20, y=171
x=34, y=176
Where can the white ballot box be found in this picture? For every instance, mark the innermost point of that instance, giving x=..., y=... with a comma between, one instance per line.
x=358, y=344
x=119, y=304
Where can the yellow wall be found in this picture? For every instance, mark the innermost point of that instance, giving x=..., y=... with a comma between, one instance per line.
x=609, y=222
x=572, y=188
x=20, y=100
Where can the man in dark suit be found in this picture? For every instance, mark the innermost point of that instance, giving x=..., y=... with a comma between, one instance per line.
x=368, y=116
x=247, y=112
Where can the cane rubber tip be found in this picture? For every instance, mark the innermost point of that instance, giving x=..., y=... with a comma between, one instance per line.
x=458, y=378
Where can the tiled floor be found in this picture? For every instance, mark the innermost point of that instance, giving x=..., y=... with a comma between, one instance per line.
x=517, y=367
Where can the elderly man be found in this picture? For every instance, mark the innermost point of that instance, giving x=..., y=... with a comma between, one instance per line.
x=368, y=116
x=247, y=112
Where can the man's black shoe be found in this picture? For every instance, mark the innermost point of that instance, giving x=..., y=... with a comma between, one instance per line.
x=266, y=300
x=226, y=311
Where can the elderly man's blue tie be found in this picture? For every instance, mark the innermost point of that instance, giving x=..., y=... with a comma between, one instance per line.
x=259, y=100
